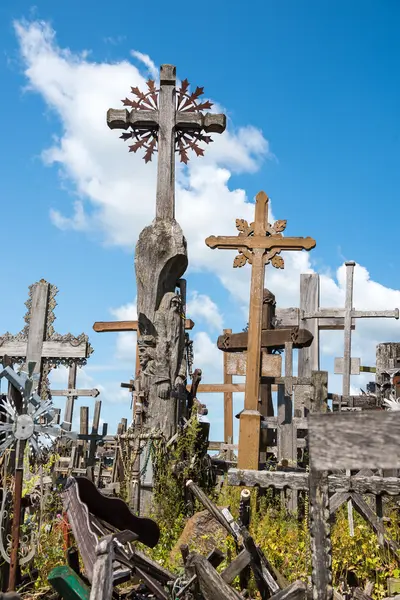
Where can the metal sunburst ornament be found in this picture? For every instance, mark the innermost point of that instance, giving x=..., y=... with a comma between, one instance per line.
x=34, y=420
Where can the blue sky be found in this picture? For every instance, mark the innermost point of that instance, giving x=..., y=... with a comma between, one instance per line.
x=311, y=91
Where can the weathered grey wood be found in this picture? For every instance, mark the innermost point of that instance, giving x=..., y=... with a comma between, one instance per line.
x=69, y=405
x=260, y=567
x=336, y=501
x=237, y=565
x=102, y=580
x=340, y=442
x=37, y=326
x=264, y=479
x=320, y=536
x=339, y=369
x=95, y=428
x=359, y=594
x=368, y=514
x=291, y=317
x=296, y=591
x=236, y=363
x=50, y=349
x=329, y=313
x=287, y=448
x=308, y=358
x=93, y=393
x=211, y=584
x=210, y=506
x=299, y=481
x=319, y=399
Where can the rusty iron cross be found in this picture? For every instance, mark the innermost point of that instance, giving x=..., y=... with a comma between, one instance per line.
x=258, y=244
x=167, y=120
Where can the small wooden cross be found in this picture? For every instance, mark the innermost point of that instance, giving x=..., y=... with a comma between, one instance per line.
x=168, y=120
x=259, y=244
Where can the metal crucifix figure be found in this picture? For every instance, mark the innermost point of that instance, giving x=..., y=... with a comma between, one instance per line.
x=259, y=244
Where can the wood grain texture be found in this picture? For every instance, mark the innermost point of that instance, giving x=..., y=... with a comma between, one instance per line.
x=102, y=579
x=50, y=349
x=299, y=481
x=37, y=327
x=113, y=326
x=296, y=591
x=228, y=402
x=236, y=364
x=356, y=440
x=211, y=584
x=321, y=549
x=308, y=359
x=292, y=317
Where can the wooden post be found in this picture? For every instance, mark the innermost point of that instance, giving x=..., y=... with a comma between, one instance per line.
x=83, y=430
x=69, y=405
x=95, y=429
x=228, y=406
x=259, y=243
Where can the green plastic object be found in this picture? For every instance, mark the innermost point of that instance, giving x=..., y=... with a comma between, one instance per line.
x=68, y=584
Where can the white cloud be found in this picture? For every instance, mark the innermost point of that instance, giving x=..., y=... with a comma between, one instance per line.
x=146, y=60
x=115, y=193
x=201, y=306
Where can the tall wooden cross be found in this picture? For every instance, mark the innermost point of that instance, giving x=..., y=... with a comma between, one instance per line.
x=168, y=120
x=259, y=244
x=39, y=341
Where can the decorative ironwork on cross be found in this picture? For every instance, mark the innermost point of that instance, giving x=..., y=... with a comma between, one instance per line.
x=246, y=255
x=146, y=137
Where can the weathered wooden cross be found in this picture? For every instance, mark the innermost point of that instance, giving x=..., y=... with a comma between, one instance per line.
x=170, y=121
x=347, y=366
x=71, y=393
x=259, y=244
x=38, y=339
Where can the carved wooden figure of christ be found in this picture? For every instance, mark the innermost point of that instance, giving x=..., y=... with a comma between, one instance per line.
x=259, y=244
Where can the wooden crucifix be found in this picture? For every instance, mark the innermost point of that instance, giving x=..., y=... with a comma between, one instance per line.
x=39, y=341
x=167, y=120
x=259, y=244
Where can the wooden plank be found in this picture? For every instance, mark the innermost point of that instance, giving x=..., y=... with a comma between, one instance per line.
x=228, y=402
x=37, y=327
x=211, y=584
x=237, y=565
x=236, y=364
x=50, y=349
x=321, y=548
x=69, y=405
x=118, y=326
x=342, y=441
x=308, y=359
x=291, y=317
x=270, y=338
x=355, y=366
x=299, y=481
x=209, y=388
x=95, y=428
x=74, y=392
x=102, y=580
x=296, y=591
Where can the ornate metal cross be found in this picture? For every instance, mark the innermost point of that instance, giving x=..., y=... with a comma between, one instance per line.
x=258, y=244
x=167, y=120
x=39, y=343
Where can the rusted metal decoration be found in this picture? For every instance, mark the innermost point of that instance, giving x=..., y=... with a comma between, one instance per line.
x=258, y=244
x=146, y=134
x=22, y=427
